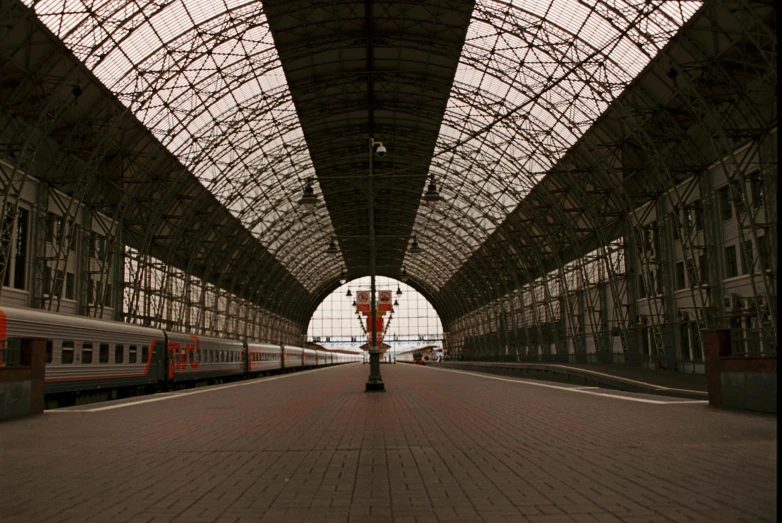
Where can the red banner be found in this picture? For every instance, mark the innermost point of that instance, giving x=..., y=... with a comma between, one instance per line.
x=378, y=325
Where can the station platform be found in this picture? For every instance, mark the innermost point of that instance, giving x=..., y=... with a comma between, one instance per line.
x=613, y=376
x=439, y=446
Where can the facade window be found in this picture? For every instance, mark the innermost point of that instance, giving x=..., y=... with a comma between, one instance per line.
x=694, y=217
x=738, y=196
x=726, y=210
x=47, y=279
x=747, y=260
x=5, y=243
x=680, y=283
x=86, y=353
x=758, y=191
x=674, y=218
x=659, y=281
x=650, y=238
x=67, y=352
x=731, y=264
x=684, y=336
x=58, y=283
x=54, y=229
x=763, y=252
x=70, y=285
x=119, y=353
x=20, y=254
x=13, y=247
x=97, y=246
x=692, y=275
x=704, y=269
x=103, y=354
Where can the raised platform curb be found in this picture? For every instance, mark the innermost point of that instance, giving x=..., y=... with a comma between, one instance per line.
x=572, y=374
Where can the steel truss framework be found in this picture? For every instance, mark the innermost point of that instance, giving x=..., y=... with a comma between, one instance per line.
x=560, y=133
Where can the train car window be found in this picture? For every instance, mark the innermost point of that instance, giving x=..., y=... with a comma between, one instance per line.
x=144, y=353
x=103, y=355
x=132, y=355
x=49, y=350
x=67, y=352
x=191, y=355
x=119, y=353
x=211, y=355
x=86, y=353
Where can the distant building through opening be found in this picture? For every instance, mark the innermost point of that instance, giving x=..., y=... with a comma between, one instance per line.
x=412, y=324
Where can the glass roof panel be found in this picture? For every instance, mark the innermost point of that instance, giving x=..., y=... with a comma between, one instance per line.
x=205, y=78
x=534, y=75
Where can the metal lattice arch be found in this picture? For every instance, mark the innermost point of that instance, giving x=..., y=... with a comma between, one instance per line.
x=580, y=149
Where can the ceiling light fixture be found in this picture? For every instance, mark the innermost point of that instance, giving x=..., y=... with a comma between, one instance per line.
x=332, y=248
x=414, y=248
x=432, y=197
x=308, y=199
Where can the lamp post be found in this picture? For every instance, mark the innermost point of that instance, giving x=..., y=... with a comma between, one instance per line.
x=375, y=381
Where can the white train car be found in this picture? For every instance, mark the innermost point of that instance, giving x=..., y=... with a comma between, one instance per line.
x=292, y=356
x=85, y=353
x=309, y=358
x=192, y=357
x=263, y=357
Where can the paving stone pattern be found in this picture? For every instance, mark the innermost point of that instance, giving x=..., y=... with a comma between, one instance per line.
x=438, y=446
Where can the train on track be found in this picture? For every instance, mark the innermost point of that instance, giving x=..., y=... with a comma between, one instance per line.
x=85, y=355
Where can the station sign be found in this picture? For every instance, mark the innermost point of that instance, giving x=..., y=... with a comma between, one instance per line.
x=384, y=302
x=362, y=301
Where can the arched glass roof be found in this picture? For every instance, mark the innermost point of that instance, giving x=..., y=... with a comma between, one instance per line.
x=532, y=78
x=207, y=79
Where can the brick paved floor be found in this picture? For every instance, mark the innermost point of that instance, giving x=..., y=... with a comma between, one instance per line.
x=438, y=446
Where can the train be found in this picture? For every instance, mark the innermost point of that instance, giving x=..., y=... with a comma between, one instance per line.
x=421, y=356
x=87, y=355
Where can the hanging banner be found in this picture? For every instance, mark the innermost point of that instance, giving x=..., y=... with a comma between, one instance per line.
x=384, y=301
x=378, y=326
x=362, y=301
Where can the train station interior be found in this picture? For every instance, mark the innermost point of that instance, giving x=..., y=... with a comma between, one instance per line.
x=368, y=261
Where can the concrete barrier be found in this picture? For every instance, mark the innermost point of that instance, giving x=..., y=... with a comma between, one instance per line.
x=741, y=382
x=21, y=385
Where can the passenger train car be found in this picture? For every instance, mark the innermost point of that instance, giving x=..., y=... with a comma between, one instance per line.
x=85, y=354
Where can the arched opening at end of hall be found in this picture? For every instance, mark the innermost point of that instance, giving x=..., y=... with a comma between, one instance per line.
x=409, y=326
